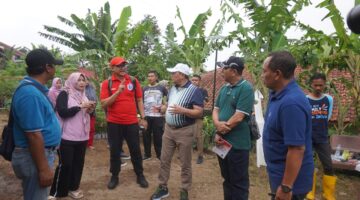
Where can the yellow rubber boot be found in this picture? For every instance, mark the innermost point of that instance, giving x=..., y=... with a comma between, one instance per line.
x=329, y=183
x=311, y=194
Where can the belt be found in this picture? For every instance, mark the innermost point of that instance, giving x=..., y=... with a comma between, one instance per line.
x=181, y=126
x=51, y=148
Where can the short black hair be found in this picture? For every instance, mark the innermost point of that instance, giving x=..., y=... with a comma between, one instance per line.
x=283, y=61
x=156, y=74
x=32, y=71
x=197, y=76
x=317, y=75
x=153, y=72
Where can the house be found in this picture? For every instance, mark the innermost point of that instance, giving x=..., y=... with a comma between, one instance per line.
x=16, y=53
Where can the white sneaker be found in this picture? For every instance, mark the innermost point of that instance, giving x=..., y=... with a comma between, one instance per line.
x=51, y=197
x=123, y=163
x=78, y=194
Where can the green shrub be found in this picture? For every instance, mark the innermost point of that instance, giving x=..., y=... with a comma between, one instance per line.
x=208, y=131
x=100, y=125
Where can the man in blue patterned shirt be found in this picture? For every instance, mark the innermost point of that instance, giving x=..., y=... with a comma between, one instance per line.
x=321, y=110
x=185, y=105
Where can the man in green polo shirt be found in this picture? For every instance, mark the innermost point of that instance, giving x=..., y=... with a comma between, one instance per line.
x=231, y=114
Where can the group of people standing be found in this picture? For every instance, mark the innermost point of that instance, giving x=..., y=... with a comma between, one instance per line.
x=62, y=120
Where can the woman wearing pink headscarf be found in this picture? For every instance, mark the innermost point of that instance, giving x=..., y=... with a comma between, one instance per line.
x=55, y=89
x=73, y=107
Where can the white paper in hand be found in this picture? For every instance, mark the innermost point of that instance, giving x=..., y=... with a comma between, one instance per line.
x=222, y=150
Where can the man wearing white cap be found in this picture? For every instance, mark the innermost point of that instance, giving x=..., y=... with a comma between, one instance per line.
x=185, y=104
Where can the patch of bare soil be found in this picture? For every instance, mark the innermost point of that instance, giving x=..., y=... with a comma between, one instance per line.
x=207, y=181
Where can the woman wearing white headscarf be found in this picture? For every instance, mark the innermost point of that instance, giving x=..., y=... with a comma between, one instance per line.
x=73, y=107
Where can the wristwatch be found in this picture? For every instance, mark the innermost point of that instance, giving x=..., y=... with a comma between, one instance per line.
x=285, y=188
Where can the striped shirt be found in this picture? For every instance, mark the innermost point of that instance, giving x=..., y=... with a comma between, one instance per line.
x=186, y=96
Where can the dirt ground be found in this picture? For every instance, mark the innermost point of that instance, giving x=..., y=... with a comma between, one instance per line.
x=207, y=181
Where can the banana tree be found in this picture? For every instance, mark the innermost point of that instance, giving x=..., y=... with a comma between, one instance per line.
x=97, y=39
x=338, y=50
x=196, y=46
x=267, y=32
x=353, y=66
x=92, y=38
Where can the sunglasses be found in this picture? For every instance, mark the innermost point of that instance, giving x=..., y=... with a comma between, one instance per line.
x=231, y=65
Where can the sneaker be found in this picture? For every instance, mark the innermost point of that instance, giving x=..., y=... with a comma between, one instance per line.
x=142, y=181
x=77, y=194
x=160, y=193
x=123, y=163
x=124, y=156
x=51, y=197
x=200, y=160
x=146, y=158
x=114, y=181
x=184, y=194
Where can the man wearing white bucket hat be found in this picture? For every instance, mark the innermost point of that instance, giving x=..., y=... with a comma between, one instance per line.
x=185, y=104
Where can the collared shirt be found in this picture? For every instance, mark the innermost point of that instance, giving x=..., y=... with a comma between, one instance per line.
x=123, y=110
x=288, y=123
x=33, y=112
x=236, y=98
x=186, y=96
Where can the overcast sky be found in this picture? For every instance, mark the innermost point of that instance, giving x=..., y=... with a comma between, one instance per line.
x=22, y=20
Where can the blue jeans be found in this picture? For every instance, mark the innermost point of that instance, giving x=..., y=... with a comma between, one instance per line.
x=25, y=169
x=235, y=171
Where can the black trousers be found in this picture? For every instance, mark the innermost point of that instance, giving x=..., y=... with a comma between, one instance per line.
x=235, y=171
x=69, y=170
x=155, y=128
x=116, y=134
x=323, y=150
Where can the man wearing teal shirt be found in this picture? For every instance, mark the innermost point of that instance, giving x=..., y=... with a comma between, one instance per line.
x=37, y=131
x=231, y=114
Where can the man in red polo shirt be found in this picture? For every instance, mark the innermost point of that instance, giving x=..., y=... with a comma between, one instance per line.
x=118, y=95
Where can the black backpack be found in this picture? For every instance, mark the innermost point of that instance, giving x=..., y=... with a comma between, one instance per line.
x=133, y=81
x=7, y=145
x=254, y=129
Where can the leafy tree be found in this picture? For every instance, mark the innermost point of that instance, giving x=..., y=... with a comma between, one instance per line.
x=9, y=79
x=148, y=53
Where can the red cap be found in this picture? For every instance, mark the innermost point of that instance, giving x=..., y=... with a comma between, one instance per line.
x=117, y=61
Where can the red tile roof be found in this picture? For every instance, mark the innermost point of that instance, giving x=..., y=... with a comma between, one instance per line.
x=208, y=84
x=87, y=73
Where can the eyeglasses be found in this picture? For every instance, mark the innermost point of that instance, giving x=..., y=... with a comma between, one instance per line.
x=122, y=65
